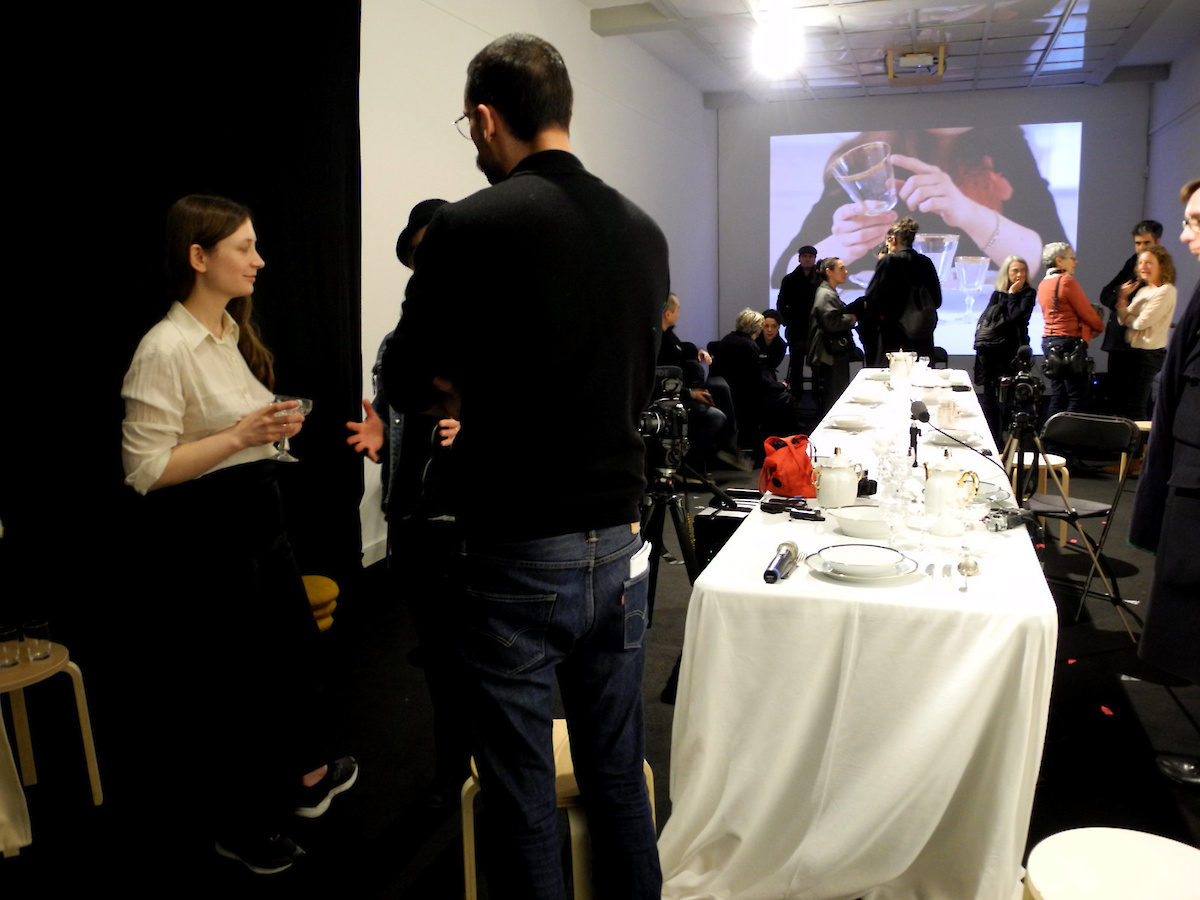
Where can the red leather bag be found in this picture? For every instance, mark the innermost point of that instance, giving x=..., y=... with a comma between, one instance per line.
x=787, y=469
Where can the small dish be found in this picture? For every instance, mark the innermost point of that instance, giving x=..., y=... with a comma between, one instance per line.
x=849, y=423
x=859, y=521
x=878, y=375
x=860, y=559
x=904, y=566
x=970, y=438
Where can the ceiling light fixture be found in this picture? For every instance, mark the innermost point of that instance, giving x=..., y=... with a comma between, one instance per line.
x=778, y=45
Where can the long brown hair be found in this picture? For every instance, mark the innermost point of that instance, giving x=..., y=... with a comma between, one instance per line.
x=206, y=221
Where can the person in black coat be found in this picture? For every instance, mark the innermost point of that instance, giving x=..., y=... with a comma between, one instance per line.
x=771, y=345
x=762, y=403
x=889, y=296
x=993, y=361
x=1166, y=507
x=1146, y=234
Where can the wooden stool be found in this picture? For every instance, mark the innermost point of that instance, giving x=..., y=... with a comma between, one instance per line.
x=566, y=793
x=15, y=679
x=1111, y=864
x=322, y=598
x=1049, y=461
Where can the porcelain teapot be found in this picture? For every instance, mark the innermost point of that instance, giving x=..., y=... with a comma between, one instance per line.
x=837, y=480
x=900, y=363
x=945, y=486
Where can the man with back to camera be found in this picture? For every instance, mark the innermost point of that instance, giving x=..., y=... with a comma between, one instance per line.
x=795, y=301
x=564, y=280
x=1121, y=378
x=1166, y=507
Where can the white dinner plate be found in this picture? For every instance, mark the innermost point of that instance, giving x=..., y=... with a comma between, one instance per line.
x=969, y=438
x=869, y=398
x=991, y=493
x=860, y=559
x=879, y=375
x=849, y=423
x=901, y=565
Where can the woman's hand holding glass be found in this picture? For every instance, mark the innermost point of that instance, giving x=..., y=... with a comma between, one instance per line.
x=283, y=403
x=268, y=425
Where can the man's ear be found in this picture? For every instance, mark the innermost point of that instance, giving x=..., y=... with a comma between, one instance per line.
x=198, y=258
x=489, y=121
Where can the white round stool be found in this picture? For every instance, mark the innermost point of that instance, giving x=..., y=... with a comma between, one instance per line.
x=1112, y=864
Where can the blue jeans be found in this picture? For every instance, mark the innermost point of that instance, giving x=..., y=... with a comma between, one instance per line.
x=562, y=607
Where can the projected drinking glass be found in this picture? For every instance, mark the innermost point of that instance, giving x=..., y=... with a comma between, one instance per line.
x=971, y=271
x=866, y=174
x=282, y=448
x=940, y=250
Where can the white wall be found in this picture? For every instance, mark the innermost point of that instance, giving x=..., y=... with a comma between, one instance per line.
x=1175, y=160
x=637, y=125
x=1114, y=117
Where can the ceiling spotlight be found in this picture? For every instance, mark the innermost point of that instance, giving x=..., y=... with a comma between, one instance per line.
x=778, y=45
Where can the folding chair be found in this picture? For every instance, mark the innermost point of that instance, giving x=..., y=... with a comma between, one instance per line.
x=1078, y=434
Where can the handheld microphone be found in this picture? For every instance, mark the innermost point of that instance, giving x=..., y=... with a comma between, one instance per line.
x=920, y=411
x=1024, y=353
x=786, y=555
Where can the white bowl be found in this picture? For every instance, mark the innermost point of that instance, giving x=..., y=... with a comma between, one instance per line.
x=859, y=521
x=861, y=559
x=849, y=423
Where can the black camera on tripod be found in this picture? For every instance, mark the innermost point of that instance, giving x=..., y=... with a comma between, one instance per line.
x=1023, y=390
x=664, y=423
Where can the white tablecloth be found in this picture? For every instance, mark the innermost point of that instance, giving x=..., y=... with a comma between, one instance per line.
x=842, y=740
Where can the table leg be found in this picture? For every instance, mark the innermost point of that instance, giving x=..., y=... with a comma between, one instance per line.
x=85, y=730
x=24, y=746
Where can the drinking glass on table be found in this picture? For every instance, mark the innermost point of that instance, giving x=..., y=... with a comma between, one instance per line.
x=305, y=407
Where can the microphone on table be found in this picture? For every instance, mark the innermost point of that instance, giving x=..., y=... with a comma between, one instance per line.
x=786, y=556
x=920, y=413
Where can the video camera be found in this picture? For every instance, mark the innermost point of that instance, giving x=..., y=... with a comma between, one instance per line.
x=1024, y=390
x=664, y=424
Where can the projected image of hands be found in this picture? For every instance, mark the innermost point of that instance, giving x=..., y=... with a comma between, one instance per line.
x=1003, y=189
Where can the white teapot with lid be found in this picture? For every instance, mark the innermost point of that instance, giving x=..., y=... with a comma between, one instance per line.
x=947, y=492
x=837, y=480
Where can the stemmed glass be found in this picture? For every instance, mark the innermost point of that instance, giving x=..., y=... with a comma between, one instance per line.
x=305, y=407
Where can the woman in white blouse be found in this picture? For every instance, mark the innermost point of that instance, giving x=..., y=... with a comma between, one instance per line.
x=199, y=423
x=1147, y=321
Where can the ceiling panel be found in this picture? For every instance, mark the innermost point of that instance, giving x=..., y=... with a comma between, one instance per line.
x=989, y=44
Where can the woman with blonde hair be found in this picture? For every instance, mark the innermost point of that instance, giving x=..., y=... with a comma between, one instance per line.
x=1003, y=326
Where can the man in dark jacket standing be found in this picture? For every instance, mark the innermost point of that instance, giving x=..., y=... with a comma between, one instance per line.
x=1166, y=509
x=563, y=280
x=1146, y=234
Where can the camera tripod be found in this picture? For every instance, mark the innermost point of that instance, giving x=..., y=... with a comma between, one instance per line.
x=662, y=494
x=1022, y=432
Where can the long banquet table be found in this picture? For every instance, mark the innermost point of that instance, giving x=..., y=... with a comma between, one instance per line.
x=838, y=739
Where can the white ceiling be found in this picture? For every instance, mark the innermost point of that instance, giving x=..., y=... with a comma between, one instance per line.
x=989, y=43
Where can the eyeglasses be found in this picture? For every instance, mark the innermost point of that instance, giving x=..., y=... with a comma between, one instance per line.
x=1193, y=224
x=458, y=125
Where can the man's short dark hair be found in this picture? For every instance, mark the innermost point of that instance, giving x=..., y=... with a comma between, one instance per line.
x=525, y=79
x=1148, y=226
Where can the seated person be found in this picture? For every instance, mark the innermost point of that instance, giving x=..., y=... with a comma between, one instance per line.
x=771, y=345
x=763, y=404
x=712, y=426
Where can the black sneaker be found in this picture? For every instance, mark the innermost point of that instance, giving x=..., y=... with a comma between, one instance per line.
x=313, y=801
x=263, y=856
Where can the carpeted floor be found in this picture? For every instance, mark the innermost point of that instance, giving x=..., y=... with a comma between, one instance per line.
x=1110, y=714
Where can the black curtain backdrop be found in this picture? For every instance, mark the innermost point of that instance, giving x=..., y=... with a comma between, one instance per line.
x=122, y=112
